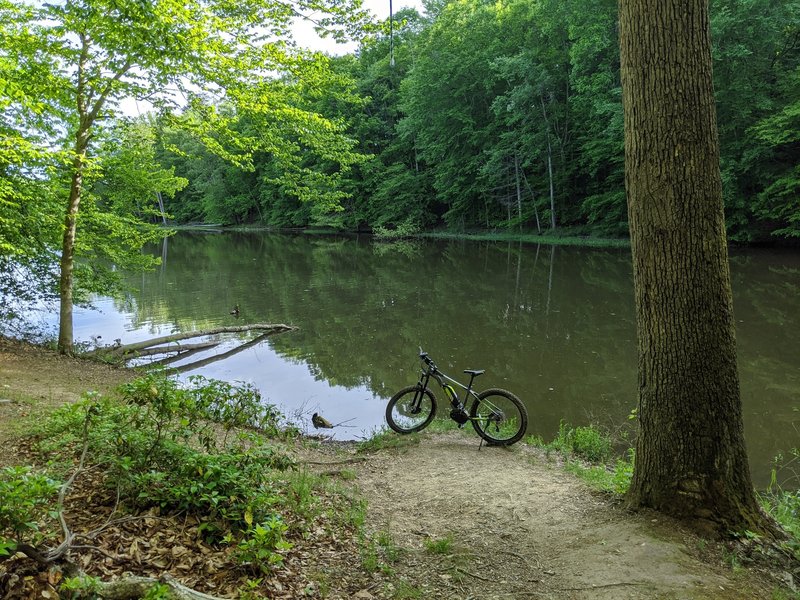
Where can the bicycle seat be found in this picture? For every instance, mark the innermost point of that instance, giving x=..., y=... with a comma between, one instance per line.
x=474, y=372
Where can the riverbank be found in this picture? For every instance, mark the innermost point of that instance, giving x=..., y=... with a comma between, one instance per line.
x=444, y=517
x=561, y=237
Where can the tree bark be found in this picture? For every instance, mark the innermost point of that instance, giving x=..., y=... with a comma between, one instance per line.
x=65, y=334
x=690, y=454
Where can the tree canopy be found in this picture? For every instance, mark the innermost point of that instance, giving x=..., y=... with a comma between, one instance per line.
x=509, y=116
x=226, y=73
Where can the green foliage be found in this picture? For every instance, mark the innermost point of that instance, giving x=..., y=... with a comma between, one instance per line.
x=159, y=591
x=27, y=495
x=180, y=449
x=402, y=230
x=439, y=546
x=385, y=439
x=65, y=70
x=82, y=586
x=585, y=442
x=615, y=479
x=261, y=546
x=514, y=127
x=782, y=501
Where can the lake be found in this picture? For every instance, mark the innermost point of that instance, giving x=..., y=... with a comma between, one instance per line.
x=555, y=325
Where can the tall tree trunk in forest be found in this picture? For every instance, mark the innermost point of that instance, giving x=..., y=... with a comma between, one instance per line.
x=65, y=337
x=690, y=454
x=519, y=190
x=533, y=200
x=552, y=189
x=550, y=169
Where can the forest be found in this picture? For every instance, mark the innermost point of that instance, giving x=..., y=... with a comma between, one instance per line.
x=483, y=115
x=473, y=115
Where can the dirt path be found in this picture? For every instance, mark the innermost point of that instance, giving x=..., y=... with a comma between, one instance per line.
x=523, y=528
x=34, y=381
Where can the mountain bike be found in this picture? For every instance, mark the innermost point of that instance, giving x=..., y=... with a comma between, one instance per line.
x=498, y=416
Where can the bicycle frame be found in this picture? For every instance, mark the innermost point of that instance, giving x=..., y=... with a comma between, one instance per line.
x=458, y=412
x=440, y=377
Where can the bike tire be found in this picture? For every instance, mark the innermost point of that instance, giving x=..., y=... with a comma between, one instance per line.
x=400, y=413
x=499, y=417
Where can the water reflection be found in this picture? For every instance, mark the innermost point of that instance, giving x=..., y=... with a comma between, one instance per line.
x=555, y=325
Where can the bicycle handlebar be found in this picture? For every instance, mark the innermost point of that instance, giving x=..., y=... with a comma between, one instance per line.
x=423, y=356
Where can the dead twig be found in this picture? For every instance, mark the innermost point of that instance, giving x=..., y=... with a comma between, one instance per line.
x=465, y=572
x=64, y=546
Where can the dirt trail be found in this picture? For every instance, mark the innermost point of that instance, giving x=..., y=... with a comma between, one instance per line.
x=524, y=528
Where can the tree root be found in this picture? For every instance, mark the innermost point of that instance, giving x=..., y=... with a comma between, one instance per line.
x=134, y=587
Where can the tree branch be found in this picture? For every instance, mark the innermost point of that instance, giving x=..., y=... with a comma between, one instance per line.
x=131, y=348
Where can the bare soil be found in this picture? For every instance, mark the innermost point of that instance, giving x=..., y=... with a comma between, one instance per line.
x=449, y=519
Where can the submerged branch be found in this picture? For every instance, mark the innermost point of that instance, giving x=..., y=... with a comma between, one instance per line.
x=211, y=359
x=131, y=349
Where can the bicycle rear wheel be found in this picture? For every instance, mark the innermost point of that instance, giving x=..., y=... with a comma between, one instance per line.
x=499, y=417
x=411, y=409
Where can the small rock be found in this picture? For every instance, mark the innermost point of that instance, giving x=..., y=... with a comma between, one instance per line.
x=363, y=595
x=788, y=581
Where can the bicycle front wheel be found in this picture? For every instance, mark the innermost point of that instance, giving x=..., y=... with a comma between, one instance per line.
x=411, y=409
x=499, y=417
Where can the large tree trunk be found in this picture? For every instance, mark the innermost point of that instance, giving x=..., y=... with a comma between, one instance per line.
x=690, y=454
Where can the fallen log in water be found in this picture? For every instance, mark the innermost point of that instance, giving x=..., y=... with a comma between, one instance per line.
x=153, y=346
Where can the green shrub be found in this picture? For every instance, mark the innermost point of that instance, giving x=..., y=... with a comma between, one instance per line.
x=783, y=504
x=181, y=449
x=585, y=442
x=407, y=228
x=590, y=444
x=82, y=586
x=24, y=496
x=222, y=486
x=261, y=546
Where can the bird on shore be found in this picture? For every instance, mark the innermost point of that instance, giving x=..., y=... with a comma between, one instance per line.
x=235, y=311
x=320, y=422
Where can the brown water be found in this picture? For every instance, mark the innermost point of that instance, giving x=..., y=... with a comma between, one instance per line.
x=555, y=325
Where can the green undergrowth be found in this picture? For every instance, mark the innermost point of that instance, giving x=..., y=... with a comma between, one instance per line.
x=589, y=453
x=211, y=451
x=781, y=499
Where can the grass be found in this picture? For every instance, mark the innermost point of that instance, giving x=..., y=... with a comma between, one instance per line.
x=385, y=439
x=439, y=546
x=446, y=424
x=589, y=455
x=615, y=478
x=391, y=551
